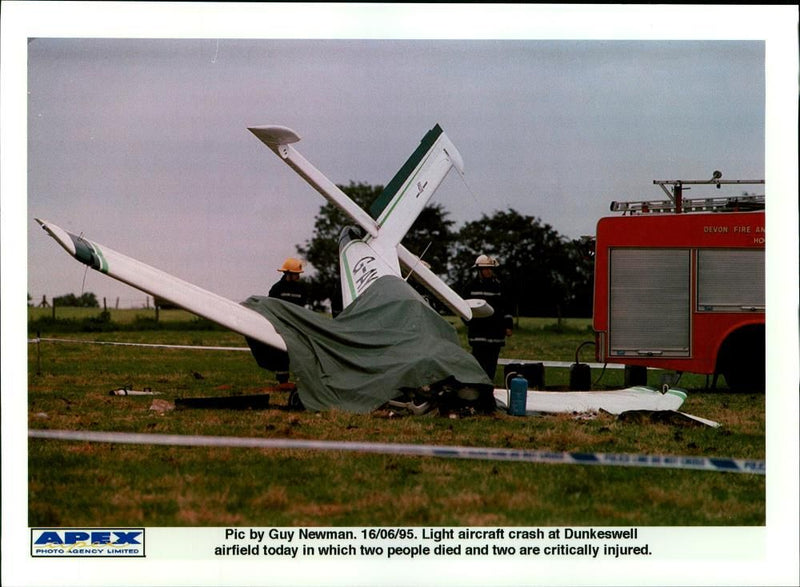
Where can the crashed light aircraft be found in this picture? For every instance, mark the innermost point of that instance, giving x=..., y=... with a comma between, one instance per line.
x=388, y=343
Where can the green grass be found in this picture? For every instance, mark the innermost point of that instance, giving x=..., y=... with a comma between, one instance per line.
x=80, y=484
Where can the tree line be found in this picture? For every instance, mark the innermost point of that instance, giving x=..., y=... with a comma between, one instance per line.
x=545, y=273
x=85, y=300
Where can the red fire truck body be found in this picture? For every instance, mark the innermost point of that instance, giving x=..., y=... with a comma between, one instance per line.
x=682, y=291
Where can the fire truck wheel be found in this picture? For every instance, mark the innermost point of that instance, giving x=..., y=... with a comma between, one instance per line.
x=742, y=359
x=740, y=378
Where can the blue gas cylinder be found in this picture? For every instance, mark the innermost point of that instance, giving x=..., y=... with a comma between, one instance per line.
x=518, y=396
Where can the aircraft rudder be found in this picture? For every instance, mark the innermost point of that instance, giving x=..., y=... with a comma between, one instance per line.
x=399, y=178
x=413, y=185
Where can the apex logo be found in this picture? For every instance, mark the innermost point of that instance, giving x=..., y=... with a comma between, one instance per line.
x=101, y=537
x=87, y=542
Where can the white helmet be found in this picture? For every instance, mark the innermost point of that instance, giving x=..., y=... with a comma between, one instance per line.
x=485, y=261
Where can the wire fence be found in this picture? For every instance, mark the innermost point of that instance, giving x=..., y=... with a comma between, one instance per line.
x=143, y=302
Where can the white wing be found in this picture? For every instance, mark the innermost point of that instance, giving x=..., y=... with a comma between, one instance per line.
x=197, y=300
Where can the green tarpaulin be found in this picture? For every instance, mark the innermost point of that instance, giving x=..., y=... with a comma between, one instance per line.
x=387, y=340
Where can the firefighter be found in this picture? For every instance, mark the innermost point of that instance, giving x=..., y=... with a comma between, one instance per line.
x=488, y=335
x=290, y=288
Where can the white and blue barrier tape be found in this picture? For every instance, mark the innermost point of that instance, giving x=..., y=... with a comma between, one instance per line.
x=458, y=452
x=244, y=348
x=141, y=344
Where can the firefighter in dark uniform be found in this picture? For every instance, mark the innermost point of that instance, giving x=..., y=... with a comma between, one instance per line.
x=488, y=335
x=289, y=289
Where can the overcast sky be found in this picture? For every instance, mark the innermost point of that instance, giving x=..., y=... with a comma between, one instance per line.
x=142, y=144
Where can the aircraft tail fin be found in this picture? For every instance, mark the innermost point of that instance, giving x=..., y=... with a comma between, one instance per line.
x=280, y=139
x=411, y=188
x=379, y=253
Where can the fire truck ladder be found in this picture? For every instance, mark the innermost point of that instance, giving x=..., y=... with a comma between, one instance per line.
x=677, y=203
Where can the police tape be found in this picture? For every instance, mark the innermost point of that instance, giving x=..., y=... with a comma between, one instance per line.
x=141, y=344
x=721, y=464
x=244, y=348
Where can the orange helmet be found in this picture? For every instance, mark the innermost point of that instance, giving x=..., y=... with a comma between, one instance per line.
x=292, y=265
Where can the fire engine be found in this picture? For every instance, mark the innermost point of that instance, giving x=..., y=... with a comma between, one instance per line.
x=679, y=285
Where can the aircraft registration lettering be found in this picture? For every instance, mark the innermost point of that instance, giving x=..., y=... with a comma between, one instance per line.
x=364, y=272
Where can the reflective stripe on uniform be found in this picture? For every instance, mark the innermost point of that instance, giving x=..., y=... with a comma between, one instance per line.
x=488, y=340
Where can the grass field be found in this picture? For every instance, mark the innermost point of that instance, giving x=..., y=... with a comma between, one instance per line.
x=172, y=486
